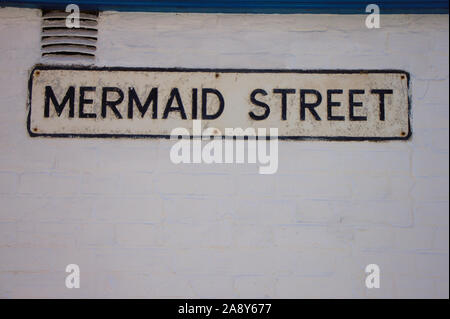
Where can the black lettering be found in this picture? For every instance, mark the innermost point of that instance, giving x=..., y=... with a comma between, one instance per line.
x=84, y=101
x=174, y=94
x=194, y=104
x=259, y=103
x=381, y=94
x=309, y=106
x=353, y=104
x=111, y=104
x=331, y=104
x=151, y=98
x=206, y=116
x=69, y=97
x=284, y=93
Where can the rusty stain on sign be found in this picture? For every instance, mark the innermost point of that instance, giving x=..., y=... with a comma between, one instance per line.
x=150, y=102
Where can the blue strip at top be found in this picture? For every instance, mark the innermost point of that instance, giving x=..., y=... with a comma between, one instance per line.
x=245, y=6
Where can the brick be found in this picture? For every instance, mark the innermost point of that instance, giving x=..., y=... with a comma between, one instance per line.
x=41, y=259
x=265, y=211
x=442, y=289
x=312, y=287
x=432, y=265
x=49, y=184
x=191, y=260
x=252, y=236
x=8, y=234
x=49, y=234
x=387, y=212
x=430, y=116
x=414, y=239
x=187, y=236
x=315, y=188
x=431, y=188
x=308, y=237
x=431, y=213
x=263, y=261
x=254, y=286
x=139, y=234
x=123, y=209
x=433, y=94
x=96, y=234
x=370, y=187
x=79, y=160
x=208, y=184
x=391, y=162
x=201, y=209
x=45, y=208
x=8, y=183
x=318, y=211
x=101, y=184
x=379, y=238
x=258, y=184
x=306, y=161
x=400, y=187
x=441, y=239
x=34, y=285
x=13, y=207
x=212, y=286
x=125, y=159
x=27, y=158
x=434, y=139
x=429, y=164
x=406, y=287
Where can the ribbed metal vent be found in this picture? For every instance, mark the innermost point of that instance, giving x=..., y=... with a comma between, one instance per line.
x=62, y=44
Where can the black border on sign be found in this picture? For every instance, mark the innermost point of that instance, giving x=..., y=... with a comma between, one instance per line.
x=150, y=69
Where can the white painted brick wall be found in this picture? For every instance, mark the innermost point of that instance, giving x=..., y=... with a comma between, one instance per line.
x=140, y=226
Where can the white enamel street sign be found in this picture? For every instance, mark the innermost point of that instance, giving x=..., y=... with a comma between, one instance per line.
x=302, y=104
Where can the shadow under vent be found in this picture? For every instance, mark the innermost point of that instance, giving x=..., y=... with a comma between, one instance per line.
x=60, y=43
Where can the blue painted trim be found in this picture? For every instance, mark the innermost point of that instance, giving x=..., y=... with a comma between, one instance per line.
x=244, y=6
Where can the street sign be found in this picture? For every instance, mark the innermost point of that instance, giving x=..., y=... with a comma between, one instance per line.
x=150, y=102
